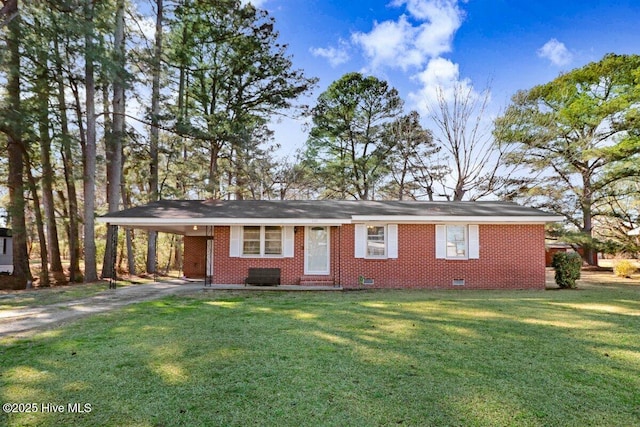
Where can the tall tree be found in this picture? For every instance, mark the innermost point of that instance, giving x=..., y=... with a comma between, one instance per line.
x=348, y=137
x=12, y=128
x=570, y=132
x=66, y=153
x=463, y=131
x=89, y=154
x=44, y=258
x=411, y=160
x=236, y=75
x=43, y=91
x=114, y=139
x=155, y=131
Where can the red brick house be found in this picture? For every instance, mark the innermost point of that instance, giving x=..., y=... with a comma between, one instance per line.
x=378, y=244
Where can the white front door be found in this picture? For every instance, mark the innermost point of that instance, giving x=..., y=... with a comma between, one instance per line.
x=316, y=250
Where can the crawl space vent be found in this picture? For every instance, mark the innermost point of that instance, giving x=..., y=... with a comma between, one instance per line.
x=458, y=282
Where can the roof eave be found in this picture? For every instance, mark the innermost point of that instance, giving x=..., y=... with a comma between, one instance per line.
x=428, y=219
x=153, y=223
x=181, y=222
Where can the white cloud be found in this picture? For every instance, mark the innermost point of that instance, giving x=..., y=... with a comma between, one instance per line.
x=416, y=40
x=443, y=18
x=400, y=43
x=440, y=75
x=335, y=56
x=556, y=52
x=390, y=43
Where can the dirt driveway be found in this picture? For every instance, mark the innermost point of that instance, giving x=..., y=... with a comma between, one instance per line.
x=21, y=322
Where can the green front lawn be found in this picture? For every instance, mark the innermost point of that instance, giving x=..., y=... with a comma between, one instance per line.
x=416, y=358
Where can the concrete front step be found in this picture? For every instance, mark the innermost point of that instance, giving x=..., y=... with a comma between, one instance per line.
x=317, y=281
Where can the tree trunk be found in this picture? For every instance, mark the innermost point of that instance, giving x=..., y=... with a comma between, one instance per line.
x=114, y=142
x=131, y=263
x=155, y=135
x=90, y=267
x=43, y=90
x=590, y=255
x=131, y=260
x=15, y=148
x=178, y=259
x=67, y=161
x=44, y=257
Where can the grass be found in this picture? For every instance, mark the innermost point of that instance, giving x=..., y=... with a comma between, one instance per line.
x=468, y=358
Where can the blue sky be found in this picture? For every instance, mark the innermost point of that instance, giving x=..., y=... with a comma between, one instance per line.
x=417, y=45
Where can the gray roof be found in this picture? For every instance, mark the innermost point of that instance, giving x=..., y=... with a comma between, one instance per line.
x=321, y=209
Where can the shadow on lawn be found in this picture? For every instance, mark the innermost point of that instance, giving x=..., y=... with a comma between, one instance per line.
x=368, y=358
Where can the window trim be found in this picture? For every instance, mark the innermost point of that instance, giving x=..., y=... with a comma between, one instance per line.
x=263, y=240
x=472, y=240
x=362, y=239
x=385, y=242
x=465, y=228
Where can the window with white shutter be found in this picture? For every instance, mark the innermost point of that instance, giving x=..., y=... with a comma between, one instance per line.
x=261, y=241
x=457, y=241
x=376, y=241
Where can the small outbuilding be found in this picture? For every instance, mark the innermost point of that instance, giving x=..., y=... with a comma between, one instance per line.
x=6, y=251
x=552, y=248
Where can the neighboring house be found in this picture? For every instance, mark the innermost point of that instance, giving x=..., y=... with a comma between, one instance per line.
x=381, y=244
x=6, y=251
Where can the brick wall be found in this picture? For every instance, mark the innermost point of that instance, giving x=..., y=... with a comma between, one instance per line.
x=511, y=256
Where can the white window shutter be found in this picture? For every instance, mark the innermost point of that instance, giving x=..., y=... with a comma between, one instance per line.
x=392, y=241
x=235, y=242
x=289, y=237
x=441, y=241
x=474, y=241
x=361, y=241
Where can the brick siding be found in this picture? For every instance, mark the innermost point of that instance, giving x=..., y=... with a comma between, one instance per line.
x=511, y=257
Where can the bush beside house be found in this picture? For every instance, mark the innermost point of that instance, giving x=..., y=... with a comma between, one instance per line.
x=567, y=266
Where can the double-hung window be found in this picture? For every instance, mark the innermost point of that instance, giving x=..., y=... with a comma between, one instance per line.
x=457, y=241
x=262, y=240
x=376, y=241
x=272, y=240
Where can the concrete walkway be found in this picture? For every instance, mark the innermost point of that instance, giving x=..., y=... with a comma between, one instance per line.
x=21, y=321
x=271, y=288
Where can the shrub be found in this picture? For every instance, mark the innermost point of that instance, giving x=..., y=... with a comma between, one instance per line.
x=567, y=266
x=624, y=268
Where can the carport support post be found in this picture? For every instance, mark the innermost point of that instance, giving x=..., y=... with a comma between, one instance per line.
x=114, y=245
x=208, y=257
